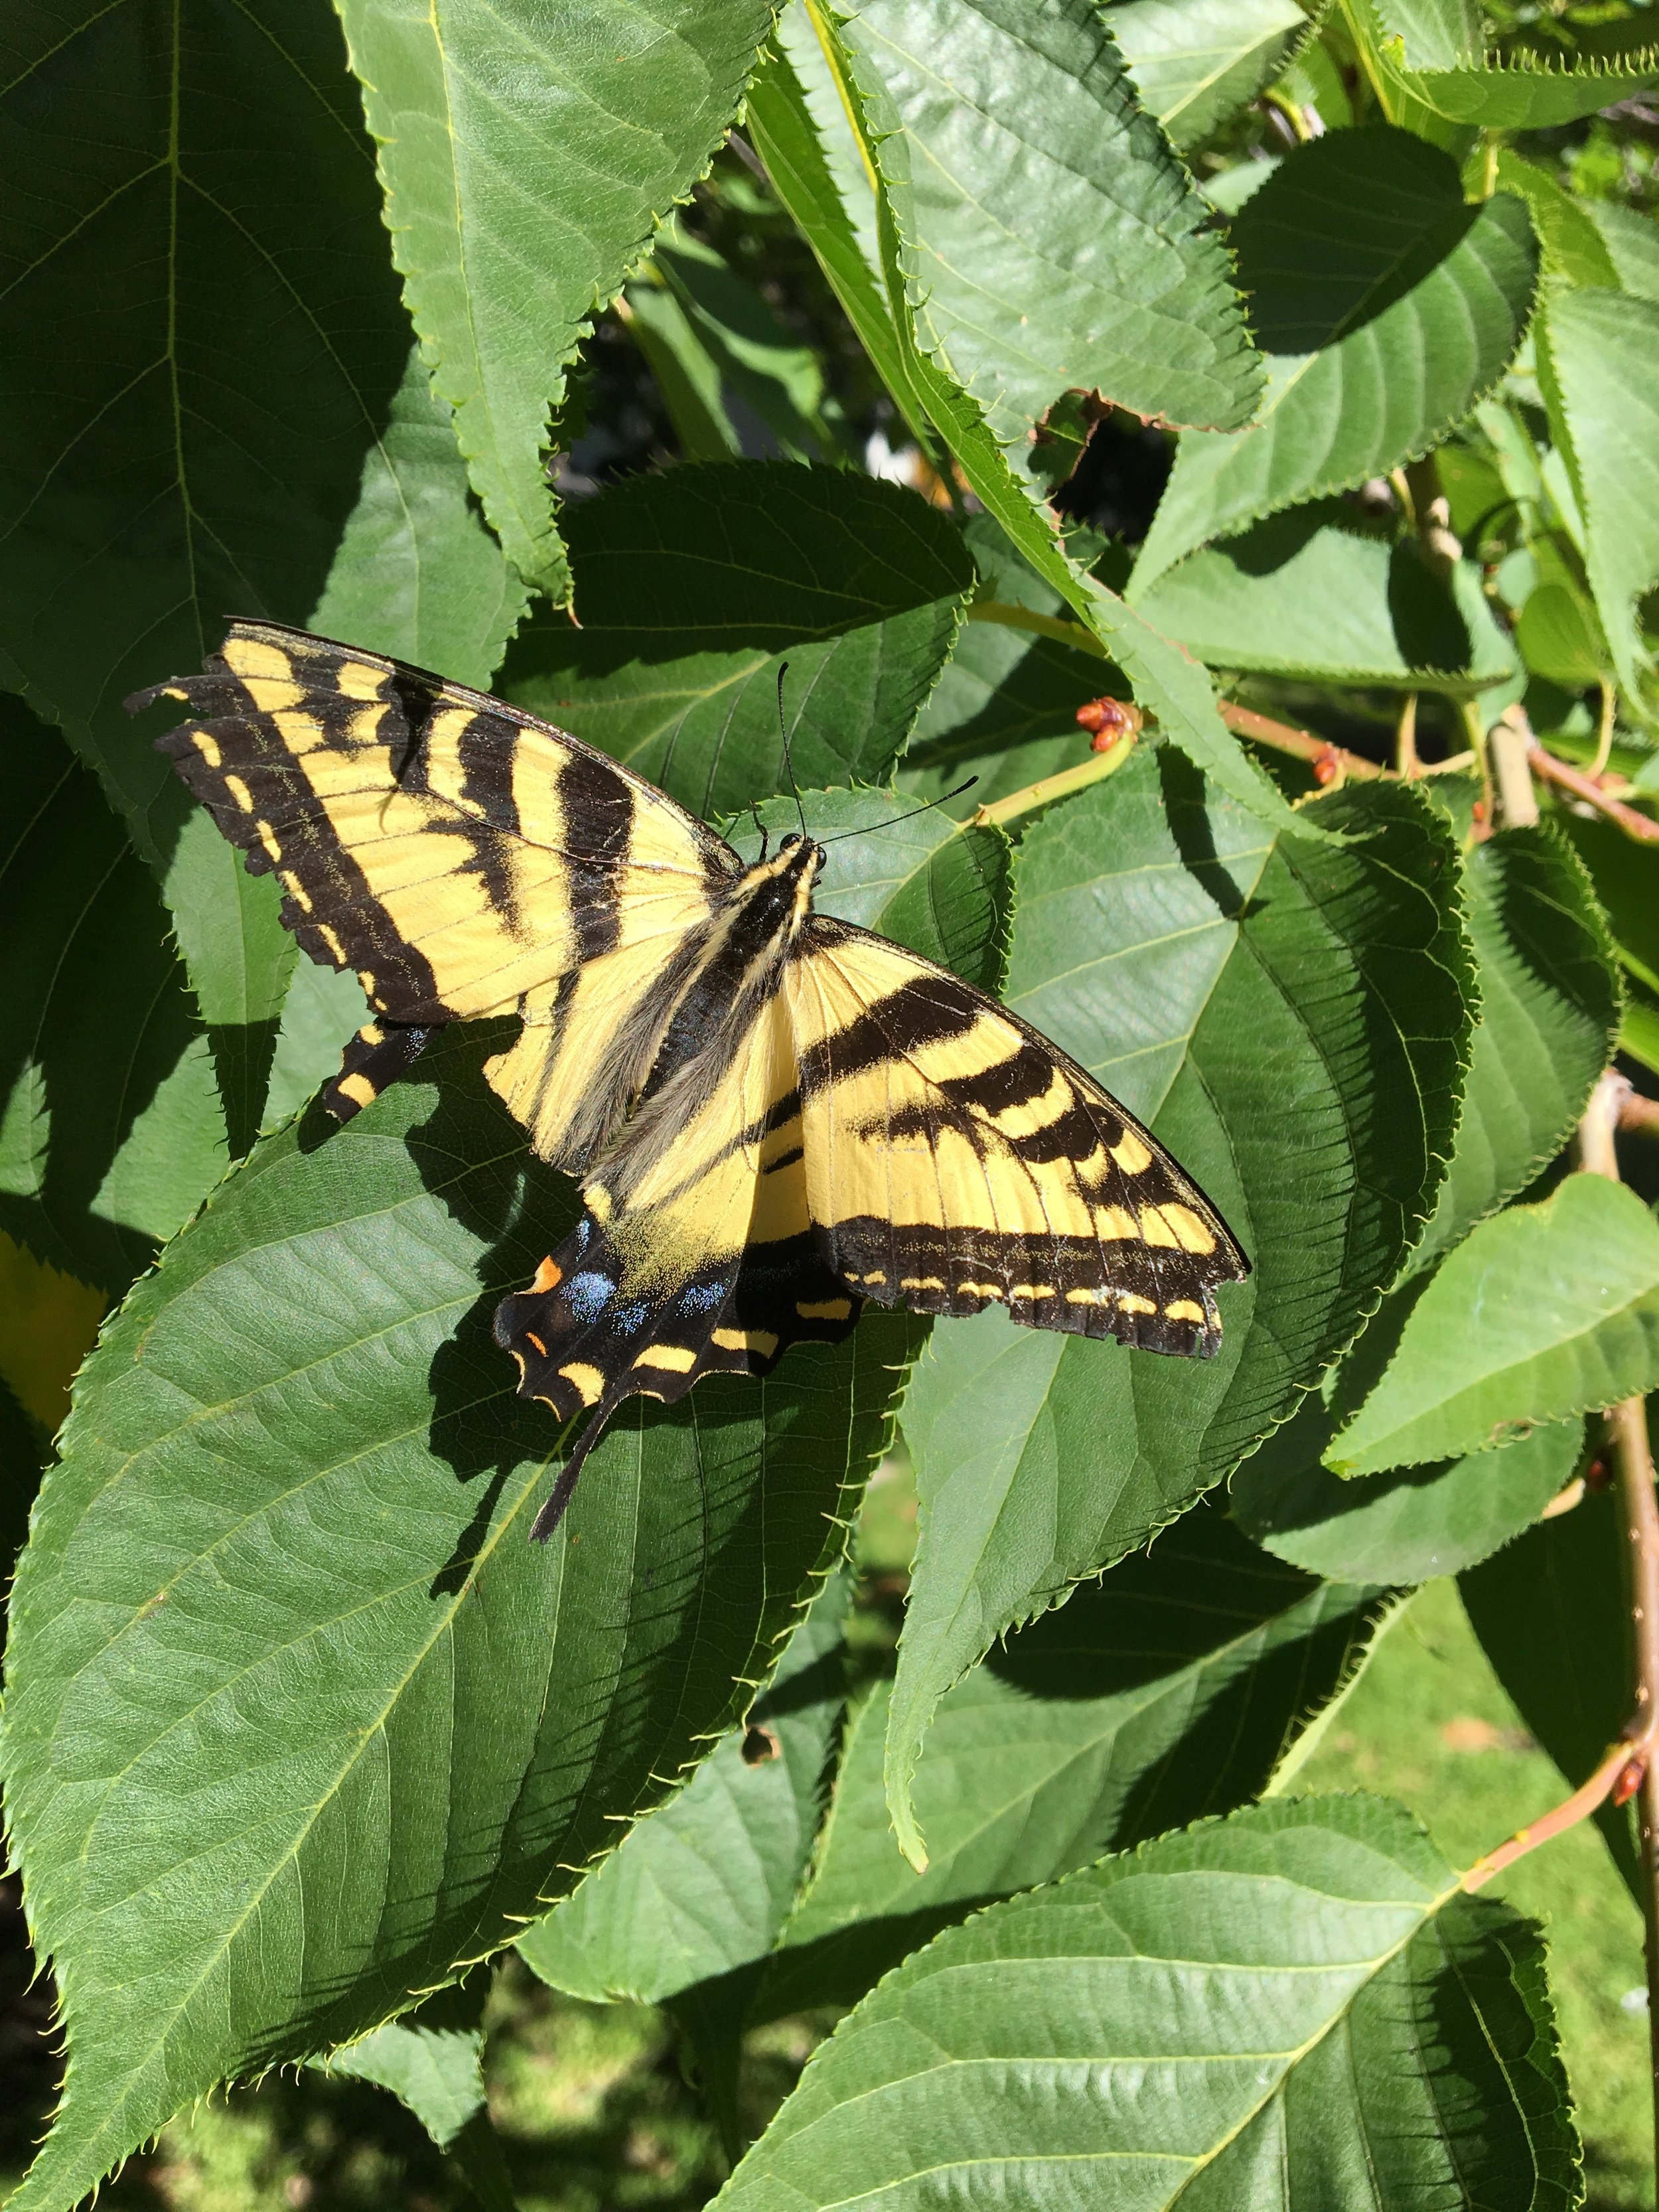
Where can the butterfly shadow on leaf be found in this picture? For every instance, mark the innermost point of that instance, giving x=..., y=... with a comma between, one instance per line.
x=472, y=1156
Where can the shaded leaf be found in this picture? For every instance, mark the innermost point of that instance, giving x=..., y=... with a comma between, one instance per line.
x=263, y=1775
x=1626, y=876
x=1549, y=1015
x=111, y=1127
x=690, y=589
x=702, y=1887
x=1386, y=306
x=432, y=2061
x=1313, y=592
x=1406, y=1524
x=206, y=340
x=417, y=574
x=1547, y=1616
x=1543, y=1312
x=1195, y=62
x=1057, y=244
x=769, y=368
x=1596, y=354
x=687, y=376
x=1296, y=2005
x=528, y=159
x=1569, y=238
x=1167, y=1692
x=1244, y=995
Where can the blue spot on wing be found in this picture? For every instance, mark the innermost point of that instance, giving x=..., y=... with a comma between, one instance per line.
x=702, y=1298
x=588, y=1295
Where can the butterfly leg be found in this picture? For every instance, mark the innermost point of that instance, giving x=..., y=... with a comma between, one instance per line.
x=379, y=1054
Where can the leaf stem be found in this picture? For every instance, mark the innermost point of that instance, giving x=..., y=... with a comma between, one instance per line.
x=1587, y=1798
x=1060, y=785
x=1246, y=723
x=1011, y=616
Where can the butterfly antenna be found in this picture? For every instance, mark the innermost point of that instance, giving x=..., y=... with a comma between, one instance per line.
x=898, y=819
x=788, y=763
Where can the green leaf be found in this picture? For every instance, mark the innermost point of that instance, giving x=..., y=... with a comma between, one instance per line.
x=1168, y=682
x=1632, y=240
x=527, y=160
x=1549, y=1016
x=1625, y=875
x=432, y=2061
x=111, y=1129
x=1314, y=592
x=417, y=574
x=687, y=375
x=702, y=1887
x=1243, y=994
x=1406, y=1524
x=1543, y=1312
x=207, y=339
x=1596, y=370
x=1297, y=2003
x=767, y=368
x=1571, y=244
x=297, y=1721
x=1386, y=308
x=1168, y=1692
x=1195, y=62
x=1058, y=245
x=692, y=586
x=801, y=132
x=943, y=888
x=1429, y=55
x=324, y=1008
x=1560, y=1644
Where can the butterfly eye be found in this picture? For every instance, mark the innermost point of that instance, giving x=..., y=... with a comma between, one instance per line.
x=787, y=844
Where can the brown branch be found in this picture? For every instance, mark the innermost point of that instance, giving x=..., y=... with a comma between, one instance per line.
x=1618, y=1766
x=1642, y=827
x=1249, y=724
x=1632, y=1457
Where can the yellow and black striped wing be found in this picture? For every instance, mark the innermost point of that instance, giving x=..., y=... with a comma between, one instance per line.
x=464, y=858
x=955, y=1159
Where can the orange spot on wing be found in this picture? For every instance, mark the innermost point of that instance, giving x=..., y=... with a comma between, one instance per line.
x=547, y=1277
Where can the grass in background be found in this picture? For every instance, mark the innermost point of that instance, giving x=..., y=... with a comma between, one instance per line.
x=1428, y=1723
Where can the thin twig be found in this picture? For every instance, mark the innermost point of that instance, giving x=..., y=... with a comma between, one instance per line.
x=1642, y=827
x=1587, y=1798
x=1302, y=743
x=1406, y=761
x=1632, y=1458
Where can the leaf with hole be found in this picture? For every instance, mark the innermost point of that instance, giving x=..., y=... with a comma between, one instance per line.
x=1058, y=245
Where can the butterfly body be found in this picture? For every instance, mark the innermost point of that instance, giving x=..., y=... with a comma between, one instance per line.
x=775, y=1116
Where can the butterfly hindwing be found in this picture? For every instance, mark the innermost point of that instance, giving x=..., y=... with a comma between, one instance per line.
x=955, y=1159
